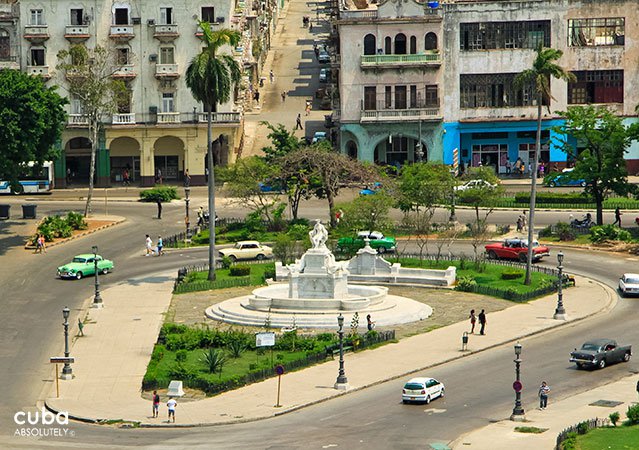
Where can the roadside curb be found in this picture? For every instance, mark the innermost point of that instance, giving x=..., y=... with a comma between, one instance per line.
x=609, y=303
x=117, y=221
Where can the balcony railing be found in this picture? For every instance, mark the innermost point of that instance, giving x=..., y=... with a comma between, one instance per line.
x=397, y=115
x=221, y=117
x=121, y=32
x=39, y=70
x=166, y=32
x=358, y=14
x=400, y=60
x=166, y=71
x=168, y=117
x=123, y=119
x=78, y=119
x=76, y=32
x=127, y=71
x=36, y=33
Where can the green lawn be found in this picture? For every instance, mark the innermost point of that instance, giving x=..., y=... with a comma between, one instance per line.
x=581, y=239
x=256, y=276
x=609, y=438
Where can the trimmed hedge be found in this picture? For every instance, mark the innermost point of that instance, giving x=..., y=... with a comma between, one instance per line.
x=554, y=197
x=511, y=274
x=162, y=193
x=239, y=271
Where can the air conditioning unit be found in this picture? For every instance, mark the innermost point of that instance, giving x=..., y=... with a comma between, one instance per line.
x=219, y=19
x=150, y=22
x=87, y=19
x=153, y=57
x=153, y=109
x=136, y=20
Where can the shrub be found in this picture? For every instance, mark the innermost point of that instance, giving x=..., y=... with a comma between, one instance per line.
x=76, y=221
x=180, y=355
x=158, y=353
x=240, y=271
x=570, y=442
x=565, y=232
x=236, y=348
x=608, y=232
x=284, y=248
x=546, y=232
x=252, y=366
x=633, y=414
x=582, y=427
x=181, y=372
x=511, y=274
x=466, y=284
x=214, y=360
x=268, y=273
x=226, y=262
x=162, y=193
x=614, y=418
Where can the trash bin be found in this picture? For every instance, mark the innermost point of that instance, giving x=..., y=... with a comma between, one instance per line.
x=29, y=211
x=4, y=211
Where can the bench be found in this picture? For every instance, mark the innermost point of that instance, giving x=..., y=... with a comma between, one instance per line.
x=334, y=350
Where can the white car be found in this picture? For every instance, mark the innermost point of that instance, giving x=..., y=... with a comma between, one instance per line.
x=422, y=390
x=324, y=57
x=475, y=184
x=323, y=75
x=247, y=250
x=629, y=284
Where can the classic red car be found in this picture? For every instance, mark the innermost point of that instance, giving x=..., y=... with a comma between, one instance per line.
x=516, y=249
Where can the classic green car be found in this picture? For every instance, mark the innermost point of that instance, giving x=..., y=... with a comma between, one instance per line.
x=84, y=265
x=378, y=241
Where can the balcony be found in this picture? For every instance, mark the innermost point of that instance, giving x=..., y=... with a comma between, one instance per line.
x=168, y=117
x=36, y=34
x=127, y=71
x=76, y=33
x=78, y=120
x=400, y=61
x=358, y=14
x=9, y=62
x=43, y=71
x=166, y=33
x=166, y=71
x=123, y=119
x=400, y=115
x=220, y=117
x=121, y=32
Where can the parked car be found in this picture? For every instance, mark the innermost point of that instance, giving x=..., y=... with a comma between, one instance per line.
x=323, y=75
x=84, y=265
x=422, y=390
x=563, y=179
x=247, y=250
x=516, y=249
x=318, y=137
x=598, y=353
x=629, y=284
x=474, y=184
x=268, y=187
x=370, y=190
x=378, y=241
x=324, y=57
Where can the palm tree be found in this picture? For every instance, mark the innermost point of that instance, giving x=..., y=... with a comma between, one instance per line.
x=210, y=77
x=543, y=68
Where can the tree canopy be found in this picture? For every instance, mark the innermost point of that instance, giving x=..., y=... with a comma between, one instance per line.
x=32, y=117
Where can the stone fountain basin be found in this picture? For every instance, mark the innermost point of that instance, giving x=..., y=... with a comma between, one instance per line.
x=276, y=297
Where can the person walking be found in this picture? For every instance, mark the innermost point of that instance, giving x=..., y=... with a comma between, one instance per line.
x=369, y=323
x=271, y=76
x=156, y=403
x=520, y=225
x=187, y=178
x=617, y=217
x=171, y=404
x=298, y=122
x=256, y=96
x=283, y=94
x=473, y=320
x=482, y=322
x=40, y=244
x=158, y=200
x=524, y=222
x=160, y=246
x=149, y=246
x=637, y=387
x=508, y=166
x=125, y=177
x=544, y=390
x=309, y=106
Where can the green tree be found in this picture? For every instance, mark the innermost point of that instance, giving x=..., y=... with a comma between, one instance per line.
x=32, y=117
x=368, y=212
x=543, y=68
x=283, y=141
x=601, y=163
x=89, y=75
x=481, y=197
x=211, y=76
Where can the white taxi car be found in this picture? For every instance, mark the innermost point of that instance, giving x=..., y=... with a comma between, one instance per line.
x=629, y=284
x=422, y=390
x=247, y=250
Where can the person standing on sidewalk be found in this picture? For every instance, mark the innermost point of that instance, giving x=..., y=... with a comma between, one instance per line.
x=298, y=122
x=369, y=323
x=158, y=200
x=544, y=390
x=283, y=94
x=473, y=320
x=482, y=321
x=149, y=246
x=156, y=404
x=271, y=76
x=171, y=404
x=160, y=246
x=524, y=222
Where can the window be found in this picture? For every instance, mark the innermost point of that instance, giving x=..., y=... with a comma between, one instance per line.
x=397, y=150
x=37, y=17
x=413, y=45
x=122, y=56
x=400, y=97
x=413, y=96
x=596, y=86
x=370, y=96
x=167, y=55
x=388, y=44
x=501, y=35
x=166, y=16
x=431, y=98
x=388, y=97
x=76, y=106
x=529, y=150
x=121, y=16
x=369, y=44
x=496, y=90
x=208, y=14
x=5, y=46
x=488, y=154
x=77, y=17
x=400, y=44
x=595, y=32
x=124, y=100
x=37, y=57
x=168, y=102
x=430, y=41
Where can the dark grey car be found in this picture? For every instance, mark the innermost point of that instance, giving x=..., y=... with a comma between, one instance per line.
x=598, y=353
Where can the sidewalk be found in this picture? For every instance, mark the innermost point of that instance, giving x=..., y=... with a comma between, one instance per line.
x=111, y=359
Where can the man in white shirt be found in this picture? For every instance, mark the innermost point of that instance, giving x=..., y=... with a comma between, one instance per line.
x=171, y=404
x=149, y=246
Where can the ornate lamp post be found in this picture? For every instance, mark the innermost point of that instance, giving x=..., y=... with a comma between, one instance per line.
x=187, y=191
x=342, y=381
x=97, y=299
x=560, y=312
x=518, y=410
x=67, y=373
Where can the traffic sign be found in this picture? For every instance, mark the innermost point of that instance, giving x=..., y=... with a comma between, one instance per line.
x=62, y=360
x=279, y=370
x=517, y=386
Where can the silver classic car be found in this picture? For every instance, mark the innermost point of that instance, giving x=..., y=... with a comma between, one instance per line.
x=598, y=353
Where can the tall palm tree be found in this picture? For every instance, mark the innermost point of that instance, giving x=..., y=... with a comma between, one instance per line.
x=539, y=75
x=210, y=77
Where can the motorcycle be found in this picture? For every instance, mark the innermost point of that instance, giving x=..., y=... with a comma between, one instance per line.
x=585, y=222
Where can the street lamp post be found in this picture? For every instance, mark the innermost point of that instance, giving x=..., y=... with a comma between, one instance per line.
x=518, y=410
x=97, y=299
x=560, y=312
x=67, y=373
x=342, y=381
x=187, y=191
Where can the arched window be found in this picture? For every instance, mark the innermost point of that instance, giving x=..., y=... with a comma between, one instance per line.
x=430, y=41
x=5, y=44
x=400, y=44
x=351, y=149
x=413, y=45
x=388, y=44
x=369, y=44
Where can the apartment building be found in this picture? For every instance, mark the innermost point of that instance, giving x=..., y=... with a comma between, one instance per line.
x=162, y=129
x=9, y=40
x=483, y=45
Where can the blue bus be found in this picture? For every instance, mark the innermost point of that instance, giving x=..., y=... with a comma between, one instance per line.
x=35, y=180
